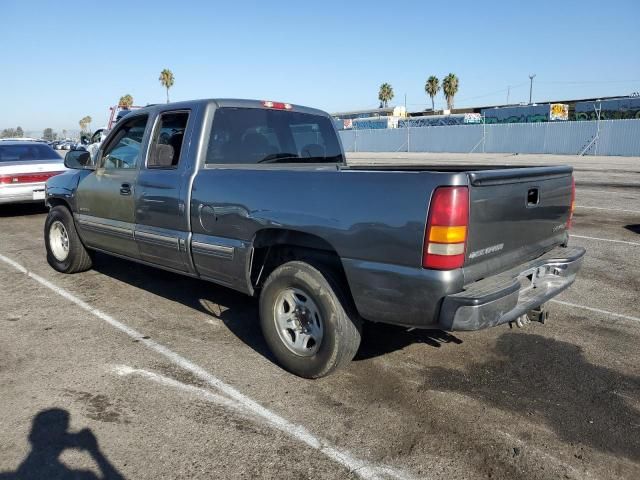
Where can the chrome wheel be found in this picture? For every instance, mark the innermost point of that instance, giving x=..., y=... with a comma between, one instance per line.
x=59, y=241
x=298, y=322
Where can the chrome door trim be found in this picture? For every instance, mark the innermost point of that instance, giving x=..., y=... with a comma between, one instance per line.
x=221, y=251
x=105, y=228
x=156, y=239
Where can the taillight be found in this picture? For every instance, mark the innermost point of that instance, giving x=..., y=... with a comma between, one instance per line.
x=573, y=202
x=276, y=105
x=15, y=178
x=446, y=232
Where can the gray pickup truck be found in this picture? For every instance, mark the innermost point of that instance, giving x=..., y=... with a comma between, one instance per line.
x=257, y=196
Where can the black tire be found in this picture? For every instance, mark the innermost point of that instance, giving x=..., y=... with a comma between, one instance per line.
x=78, y=258
x=341, y=324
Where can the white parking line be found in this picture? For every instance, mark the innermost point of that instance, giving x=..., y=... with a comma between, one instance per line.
x=597, y=310
x=362, y=468
x=125, y=370
x=605, y=240
x=610, y=209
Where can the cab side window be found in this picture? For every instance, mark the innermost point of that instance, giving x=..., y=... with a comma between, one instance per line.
x=124, y=149
x=167, y=141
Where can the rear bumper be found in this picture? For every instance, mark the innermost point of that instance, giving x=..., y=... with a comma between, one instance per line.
x=21, y=193
x=508, y=295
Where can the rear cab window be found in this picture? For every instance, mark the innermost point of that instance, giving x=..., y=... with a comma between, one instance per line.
x=264, y=136
x=167, y=140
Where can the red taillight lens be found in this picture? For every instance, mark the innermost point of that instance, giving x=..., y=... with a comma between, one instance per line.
x=446, y=232
x=573, y=202
x=276, y=105
x=17, y=178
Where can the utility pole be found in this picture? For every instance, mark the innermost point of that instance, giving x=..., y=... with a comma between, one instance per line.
x=406, y=119
x=508, y=93
x=531, y=77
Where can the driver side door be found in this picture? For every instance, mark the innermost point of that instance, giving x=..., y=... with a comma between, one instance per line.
x=105, y=198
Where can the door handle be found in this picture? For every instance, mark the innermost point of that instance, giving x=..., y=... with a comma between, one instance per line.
x=125, y=189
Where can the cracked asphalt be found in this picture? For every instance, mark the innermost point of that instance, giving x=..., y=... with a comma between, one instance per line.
x=81, y=397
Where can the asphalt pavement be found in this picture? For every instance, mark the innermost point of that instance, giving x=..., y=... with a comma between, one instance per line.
x=131, y=372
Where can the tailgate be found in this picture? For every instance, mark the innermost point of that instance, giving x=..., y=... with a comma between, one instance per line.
x=516, y=215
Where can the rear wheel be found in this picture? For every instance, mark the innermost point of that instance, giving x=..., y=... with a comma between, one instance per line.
x=65, y=251
x=307, y=321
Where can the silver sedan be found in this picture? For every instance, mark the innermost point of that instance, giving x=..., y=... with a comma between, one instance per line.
x=24, y=168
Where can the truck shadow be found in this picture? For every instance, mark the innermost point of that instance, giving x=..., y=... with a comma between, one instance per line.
x=49, y=438
x=379, y=339
x=635, y=228
x=239, y=313
x=22, y=209
x=538, y=377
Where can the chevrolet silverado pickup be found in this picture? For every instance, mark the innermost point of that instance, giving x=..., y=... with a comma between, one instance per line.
x=257, y=196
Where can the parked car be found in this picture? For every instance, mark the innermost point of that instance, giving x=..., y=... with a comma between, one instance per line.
x=25, y=166
x=256, y=196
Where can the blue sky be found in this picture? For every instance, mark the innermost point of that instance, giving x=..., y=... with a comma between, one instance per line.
x=64, y=60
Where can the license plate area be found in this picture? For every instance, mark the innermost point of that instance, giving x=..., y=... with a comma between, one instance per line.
x=529, y=279
x=38, y=194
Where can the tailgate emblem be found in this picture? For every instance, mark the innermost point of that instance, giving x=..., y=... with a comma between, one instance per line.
x=485, y=251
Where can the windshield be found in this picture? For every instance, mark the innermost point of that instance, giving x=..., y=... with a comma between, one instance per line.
x=36, y=151
x=253, y=135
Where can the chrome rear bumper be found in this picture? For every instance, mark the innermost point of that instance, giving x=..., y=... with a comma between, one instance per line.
x=504, y=297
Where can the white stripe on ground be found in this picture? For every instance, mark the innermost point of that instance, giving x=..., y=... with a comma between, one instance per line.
x=605, y=240
x=362, y=468
x=596, y=310
x=124, y=370
x=610, y=209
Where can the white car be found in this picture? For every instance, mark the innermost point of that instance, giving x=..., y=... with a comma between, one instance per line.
x=24, y=168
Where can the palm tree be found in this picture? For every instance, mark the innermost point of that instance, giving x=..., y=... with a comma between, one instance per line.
x=450, y=86
x=167, y=79
x=125, y=102
x=385, y=94
x=432, y=87
x=84, y=123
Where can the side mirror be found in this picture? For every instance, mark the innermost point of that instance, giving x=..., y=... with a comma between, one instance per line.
x=78, y=160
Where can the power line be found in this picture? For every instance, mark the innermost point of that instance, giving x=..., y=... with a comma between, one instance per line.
x=588, y=82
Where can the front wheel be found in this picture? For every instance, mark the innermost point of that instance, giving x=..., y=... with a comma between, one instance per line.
x=65, y=251
x=307, y=321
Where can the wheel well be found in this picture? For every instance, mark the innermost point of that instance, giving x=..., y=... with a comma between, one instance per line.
x=55, y=201
x=273, y=247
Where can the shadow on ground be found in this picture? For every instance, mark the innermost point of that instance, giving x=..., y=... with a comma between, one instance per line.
x=534, y=375
x=21, y=209
x=239, y=312
x=635, y=228
x=380, y=339
x=49, y=438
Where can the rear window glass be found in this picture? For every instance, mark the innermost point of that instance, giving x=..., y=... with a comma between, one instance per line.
x=37, y=151
x=253, y=135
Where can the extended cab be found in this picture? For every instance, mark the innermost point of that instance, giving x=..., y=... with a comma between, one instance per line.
x=257, y=196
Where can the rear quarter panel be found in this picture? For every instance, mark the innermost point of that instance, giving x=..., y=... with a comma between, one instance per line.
x=374, y=216
x=374, y=220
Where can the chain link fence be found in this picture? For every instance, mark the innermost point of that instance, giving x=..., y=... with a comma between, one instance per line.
x=604, y=137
